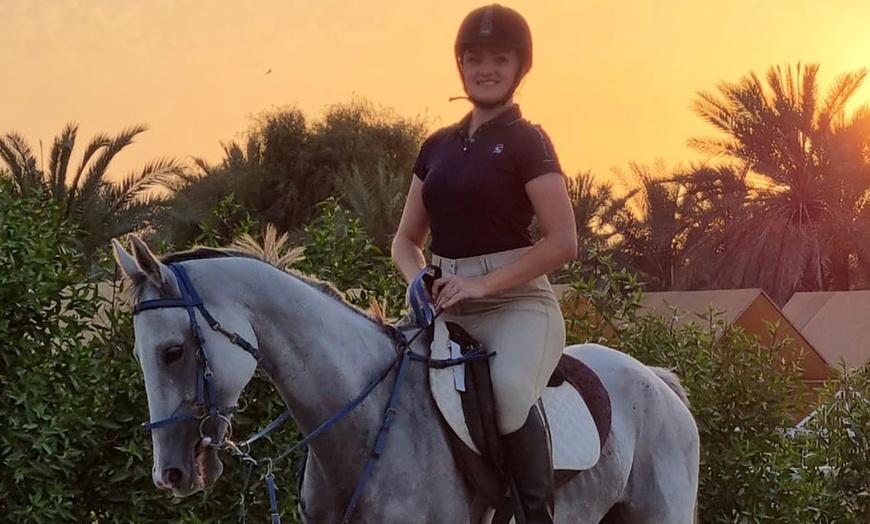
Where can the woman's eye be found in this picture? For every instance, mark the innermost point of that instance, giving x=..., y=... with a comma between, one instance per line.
x=171, y=354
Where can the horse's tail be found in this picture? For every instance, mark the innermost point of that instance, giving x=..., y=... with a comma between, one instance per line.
x=673, y=382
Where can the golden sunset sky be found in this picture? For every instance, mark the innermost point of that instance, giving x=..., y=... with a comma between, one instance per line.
x=612, y=82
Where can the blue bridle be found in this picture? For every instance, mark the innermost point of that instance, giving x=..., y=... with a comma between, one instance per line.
x=206, y=406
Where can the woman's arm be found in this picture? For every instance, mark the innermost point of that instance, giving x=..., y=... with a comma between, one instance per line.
x=407, y=248
x=557, y=246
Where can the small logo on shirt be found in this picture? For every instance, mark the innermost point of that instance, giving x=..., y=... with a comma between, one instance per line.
x=498, y=149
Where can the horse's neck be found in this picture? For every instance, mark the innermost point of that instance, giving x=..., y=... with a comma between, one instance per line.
x=320, y=354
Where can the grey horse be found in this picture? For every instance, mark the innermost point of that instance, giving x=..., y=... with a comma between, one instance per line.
x=320, y=352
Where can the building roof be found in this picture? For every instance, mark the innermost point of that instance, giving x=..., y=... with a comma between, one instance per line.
x=752, y=310
x=837, y=323
x=694, y=306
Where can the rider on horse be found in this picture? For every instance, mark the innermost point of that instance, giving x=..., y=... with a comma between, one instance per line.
x=476, y=188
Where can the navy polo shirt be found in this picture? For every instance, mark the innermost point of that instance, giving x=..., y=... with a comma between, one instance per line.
x=474, y=186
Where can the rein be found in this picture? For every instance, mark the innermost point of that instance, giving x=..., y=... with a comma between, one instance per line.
x=206, y=407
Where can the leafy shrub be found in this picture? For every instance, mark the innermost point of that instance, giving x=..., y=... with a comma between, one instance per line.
x=836, y=444
x=39, y=437
x=72, y=395
x=66, y=437
x=742, y=397
x=340, y=251
x=226, y=221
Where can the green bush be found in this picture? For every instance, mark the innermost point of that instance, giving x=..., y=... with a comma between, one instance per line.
x=742, y=397
x=340, y=251
x=72, y=395
x=67, y=444
x=39, y=437
x=836, y=443
x=225, y=221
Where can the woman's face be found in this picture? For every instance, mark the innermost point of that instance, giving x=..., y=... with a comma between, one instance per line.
x=489, y=72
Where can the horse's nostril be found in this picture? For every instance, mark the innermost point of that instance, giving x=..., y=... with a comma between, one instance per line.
x=171, y=477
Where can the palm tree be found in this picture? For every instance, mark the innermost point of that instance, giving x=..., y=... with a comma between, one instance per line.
x=800, y=222
x=274, y=249
x=377, y=199
x=653, y=226
x=101, y=208
x=591, y=201
x=718, y=194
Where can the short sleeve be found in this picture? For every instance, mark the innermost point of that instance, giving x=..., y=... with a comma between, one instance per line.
x=539, y=156
x=421, y=165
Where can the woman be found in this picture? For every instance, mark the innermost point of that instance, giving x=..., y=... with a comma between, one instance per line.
x=476, y=187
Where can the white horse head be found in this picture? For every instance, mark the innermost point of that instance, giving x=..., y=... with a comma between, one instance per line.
x=173, y=363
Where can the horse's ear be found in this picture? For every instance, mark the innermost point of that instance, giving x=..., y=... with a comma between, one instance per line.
x=126, y=262
x=148, y=264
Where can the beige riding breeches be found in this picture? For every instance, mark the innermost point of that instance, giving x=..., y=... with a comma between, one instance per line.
x=523, y=325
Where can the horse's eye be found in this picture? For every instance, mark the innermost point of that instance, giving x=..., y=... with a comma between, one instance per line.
x=171, y=354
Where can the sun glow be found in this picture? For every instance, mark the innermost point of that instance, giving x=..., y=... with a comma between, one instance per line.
x=612, y=82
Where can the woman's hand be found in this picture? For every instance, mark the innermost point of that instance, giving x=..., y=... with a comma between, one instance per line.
x=450, y=290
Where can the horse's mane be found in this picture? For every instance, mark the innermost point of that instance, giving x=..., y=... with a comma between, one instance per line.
x=203, y=253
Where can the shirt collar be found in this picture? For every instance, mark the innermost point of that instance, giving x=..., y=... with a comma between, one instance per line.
x=505, y=118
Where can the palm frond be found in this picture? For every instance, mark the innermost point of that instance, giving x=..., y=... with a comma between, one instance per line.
x=844, y=88
x=715, y=146
x=18, y=157
x=98, y=170
x=274, y=249
x=96, y=144
x=155, y=174
x=61, y=151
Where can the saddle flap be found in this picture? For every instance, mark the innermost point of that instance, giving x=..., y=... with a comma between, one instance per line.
x=443, y=387
x=576, y=445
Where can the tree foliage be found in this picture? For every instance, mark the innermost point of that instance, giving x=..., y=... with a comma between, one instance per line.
x=799, y=215
x=654, y=225
x=742, y=396
x=86, y=195
x=287, y=165
x=339, y=250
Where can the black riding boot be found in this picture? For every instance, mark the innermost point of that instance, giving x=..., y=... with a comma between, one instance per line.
x=529, y=462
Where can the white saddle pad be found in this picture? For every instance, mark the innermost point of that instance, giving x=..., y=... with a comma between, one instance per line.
x=576, y=445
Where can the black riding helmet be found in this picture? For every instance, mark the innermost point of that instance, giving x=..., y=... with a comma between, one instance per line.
x=496, y=25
